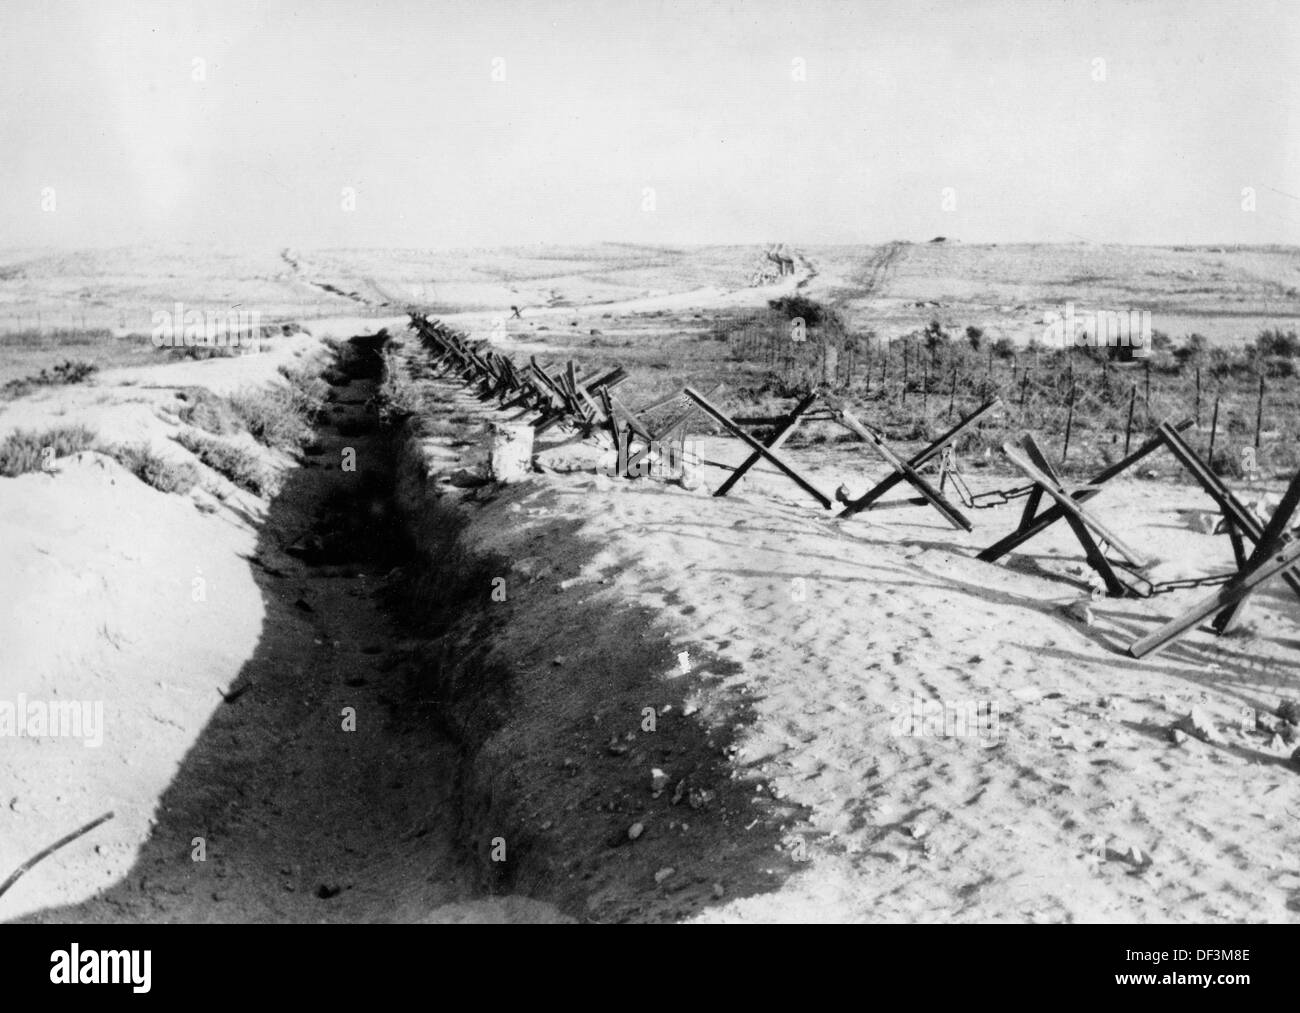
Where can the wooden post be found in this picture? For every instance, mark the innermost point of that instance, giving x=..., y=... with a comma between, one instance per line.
x=1214, y=430
x=1069, y=426
x=1198, y=397
x=1024, y=388
x=1259, y=411
x=952, y=394
x=1147, y=395
x=1128, y=429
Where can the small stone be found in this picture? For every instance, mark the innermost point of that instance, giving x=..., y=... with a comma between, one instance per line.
x=615, y=747
x=664, y=873
x=1080, y=611
x=718, y=891
x=1177, y=736
x=1198, y=724
x=635, y=831
x=327, y=890
x=679, y=791
x=918, y=830
x=558, y=661
x=658, y=781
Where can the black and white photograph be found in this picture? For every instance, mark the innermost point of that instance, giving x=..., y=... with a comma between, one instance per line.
x=650, y=462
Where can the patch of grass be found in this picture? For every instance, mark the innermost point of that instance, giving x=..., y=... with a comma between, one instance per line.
x=238, y=464
x=25, y=450
x=152, y=469
x=397, y=396
x=281, y=417
x=208, y=411
x=66, y=372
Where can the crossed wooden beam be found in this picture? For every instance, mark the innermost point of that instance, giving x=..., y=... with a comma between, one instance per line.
x=909, y=470
x=783, y=427
x=768, y=450
x=558, y=397
x=1274, y=552
x=1068, y=506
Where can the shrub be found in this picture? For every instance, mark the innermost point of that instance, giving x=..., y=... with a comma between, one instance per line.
x=238, y=464
x=24, y=450
x=792, y=306
x=155, y=470
x=69, y=371
x=208, y=411
x=1276, y=342
x=281, y=417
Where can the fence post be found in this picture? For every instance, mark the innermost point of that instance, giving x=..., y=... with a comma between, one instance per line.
x=1214, y=429
x=1147, y=395
x=1069, y=426
x=1259, y=411
x=952, y=394
x=1198, y=397
x=1128, y=429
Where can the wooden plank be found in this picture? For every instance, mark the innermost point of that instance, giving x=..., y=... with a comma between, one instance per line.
x=785, y=429
x=1071, y=506
x=782, y=465
x=1234, y=511
x=1270, y=541
x=932, y=495
x=1081, y=495
x=1223, y=598
x=918, y=460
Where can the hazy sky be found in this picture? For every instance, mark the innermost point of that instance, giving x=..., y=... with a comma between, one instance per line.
x=700, y=103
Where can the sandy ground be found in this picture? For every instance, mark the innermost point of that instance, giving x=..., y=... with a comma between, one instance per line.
x=806, y=639
x=813, y=638
x=161, y=608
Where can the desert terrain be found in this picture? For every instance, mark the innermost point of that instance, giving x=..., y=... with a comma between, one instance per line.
x=400, y=692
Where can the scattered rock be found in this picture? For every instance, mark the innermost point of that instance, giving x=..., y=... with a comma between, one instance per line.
x=1080, y=611
x=679, y=791
x=635, y=831
x=658, y=781
x=718, y=891
x=663, y=874
x=1177, y=736
x=1197, y=724
x=615, y=747
x=327, y=890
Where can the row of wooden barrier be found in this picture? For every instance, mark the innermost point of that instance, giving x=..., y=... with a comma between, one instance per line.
x=588, y=406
